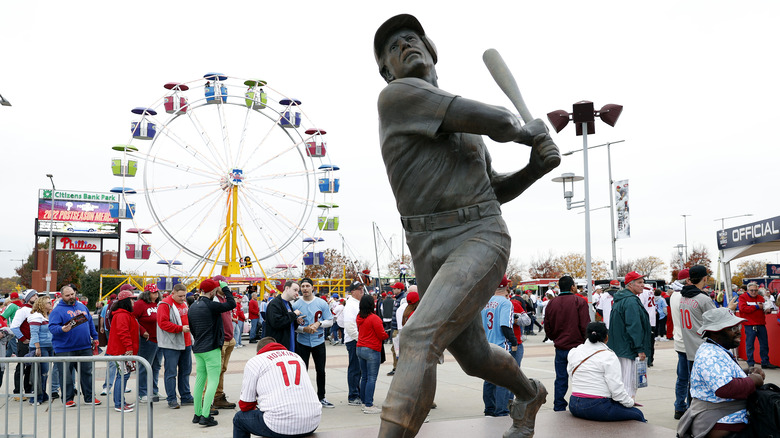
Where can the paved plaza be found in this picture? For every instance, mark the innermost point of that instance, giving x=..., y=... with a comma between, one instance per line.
x=459, y=400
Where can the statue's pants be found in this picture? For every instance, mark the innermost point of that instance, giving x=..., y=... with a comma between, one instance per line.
x=458, y=269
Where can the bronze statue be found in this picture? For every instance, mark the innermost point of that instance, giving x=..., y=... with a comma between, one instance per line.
x=449, y=199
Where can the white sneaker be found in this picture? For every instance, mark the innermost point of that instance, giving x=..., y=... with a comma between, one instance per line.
x=104, y=392
x=143, y=399
x=372, y=410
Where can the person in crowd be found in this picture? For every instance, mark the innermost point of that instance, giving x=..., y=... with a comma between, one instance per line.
x=206, y=327
x=662, y=314
x=412, y=301
x=145, y=311
x=497, y=323
x=565, y=320
x=751, y=307
x=239, y=318
x=371, y=335
x=220, y=398
x=388, y=303
x=606, y=300
x=337, y=331
x=281, y=319
x=399, y=297
x=40, y=339
x=175, y=342
x=682, y=395
x=311, y=336
x=21, y=330
x=629, y=329
x=520, y=320
x=254, y=318
x=272, y=403
x=73, y=334
x=351, y=311
x=105, y=329
x=597, y=391
x=719, y=386
x=123, y=341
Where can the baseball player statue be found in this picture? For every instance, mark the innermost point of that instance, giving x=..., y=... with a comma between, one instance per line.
x=449, y=198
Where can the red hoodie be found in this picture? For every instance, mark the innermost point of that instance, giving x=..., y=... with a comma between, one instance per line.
x=123, y=336
x=752, y=309
x=146, y=314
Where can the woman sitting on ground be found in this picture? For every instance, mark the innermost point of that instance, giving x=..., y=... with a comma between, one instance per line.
x=597, y=391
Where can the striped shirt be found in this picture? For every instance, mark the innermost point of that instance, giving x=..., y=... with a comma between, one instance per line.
x=277, y=380
x=39, y=330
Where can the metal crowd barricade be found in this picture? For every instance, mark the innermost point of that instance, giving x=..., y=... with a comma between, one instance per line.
x=9, y=400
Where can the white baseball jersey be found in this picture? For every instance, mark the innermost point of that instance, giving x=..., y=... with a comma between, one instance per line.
x=278, y=381
x=605, y=305
x=647, y=297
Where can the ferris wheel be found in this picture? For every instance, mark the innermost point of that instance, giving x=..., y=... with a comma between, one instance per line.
x=232, y=171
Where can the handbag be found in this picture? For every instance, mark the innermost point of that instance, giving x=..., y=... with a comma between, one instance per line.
x=382, y=357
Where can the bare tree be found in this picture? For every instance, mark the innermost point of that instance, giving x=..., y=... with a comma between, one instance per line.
x=648, y=265
x=624, y=267
x=699, y=256
x=574, y=264
x=543, y=267
x=514, y=271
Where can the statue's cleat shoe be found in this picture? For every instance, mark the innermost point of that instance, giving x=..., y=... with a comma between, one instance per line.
x=523, y=413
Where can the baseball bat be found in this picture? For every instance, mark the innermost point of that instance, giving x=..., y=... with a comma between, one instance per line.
x=506, y=81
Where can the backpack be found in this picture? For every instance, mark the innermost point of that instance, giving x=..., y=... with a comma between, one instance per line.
x=764, y=411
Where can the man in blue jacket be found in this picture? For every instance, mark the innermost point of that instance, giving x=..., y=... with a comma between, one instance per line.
x=73, y=334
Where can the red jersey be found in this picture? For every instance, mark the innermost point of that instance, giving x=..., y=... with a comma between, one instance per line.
x=146, y=314
x=517, y=308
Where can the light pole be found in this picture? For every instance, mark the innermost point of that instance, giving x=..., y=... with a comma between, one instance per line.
x=613, y=239
x=685, y=225
x=726, y=269
x=51, y=233
x=584, y=117
x=680, y=247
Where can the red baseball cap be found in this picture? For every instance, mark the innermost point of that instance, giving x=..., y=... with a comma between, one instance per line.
x=682, y=275
x=504, y=282
x=14, y=296
x=614, y=283
x=125, y=294
x=208, y=285
x=633, y=275
x=412, y=297
x=399, y=285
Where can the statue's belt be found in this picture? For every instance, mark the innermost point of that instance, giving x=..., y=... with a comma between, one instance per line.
x=453, y=218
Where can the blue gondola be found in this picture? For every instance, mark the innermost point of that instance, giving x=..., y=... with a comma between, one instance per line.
x=213, y=82
x=291, y=116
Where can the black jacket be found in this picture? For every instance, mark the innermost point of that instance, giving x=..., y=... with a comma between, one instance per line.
x=205, y=317
x=278, y=320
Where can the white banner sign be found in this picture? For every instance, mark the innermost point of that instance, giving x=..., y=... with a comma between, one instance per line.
x=65, y=243
x=621, y=207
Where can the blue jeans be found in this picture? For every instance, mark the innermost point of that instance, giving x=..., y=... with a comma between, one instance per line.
x=682, y=394
x=251, y=423
x=496, y=399
x=353, y=371
x=43, y=374
x=751, y=333
x=253, y=329
x=334, y=331
x=518, y=355
x=110, y=376
x=238, y=330
x=603, y=409
x=369, y=369
x=178, y=367
x=85, y=376
x=149, y=351
x=561, y=379
x=118, y=385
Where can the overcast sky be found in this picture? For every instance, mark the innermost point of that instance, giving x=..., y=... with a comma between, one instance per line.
x=697, y=79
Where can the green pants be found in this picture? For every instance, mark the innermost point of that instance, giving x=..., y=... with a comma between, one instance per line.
x=207, y=366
